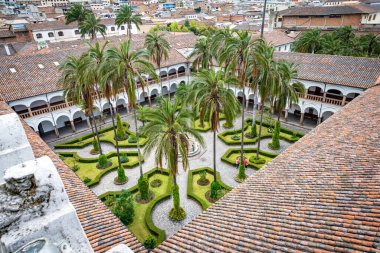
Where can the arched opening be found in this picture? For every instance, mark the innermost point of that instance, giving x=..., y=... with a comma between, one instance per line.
x=240, y=96
x=121, y=106
x=153, y=94
x=351, y=96
x=79, y=120
x=326, y=115
x=173, y=88
x=39, y=107
x=163, y=75
x=181, y=71
x=56, y=100
x=165, y=90
x=144, y=98
x=63, y=122
x=45, y=127
x=20, y=109
x=172, y=73
x=294, y=113
x=334, y=94
x=251, y=100
x=315, y=90
x=310, y=116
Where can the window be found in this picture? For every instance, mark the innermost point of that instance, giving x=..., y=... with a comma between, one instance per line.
x=51, y=35
x=38, y=35
x=112, y=29
x=122, y=28
x=286, y=47
x=76, y=32
x=60, y=33
x=370, y=17
x=374, y=17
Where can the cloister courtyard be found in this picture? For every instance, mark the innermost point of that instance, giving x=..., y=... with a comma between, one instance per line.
x=192, y=195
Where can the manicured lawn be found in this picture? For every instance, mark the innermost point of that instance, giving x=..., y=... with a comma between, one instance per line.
x=106, y=135
x=227, y=136
x=87, y=166
x=197, y=192
x=206, y=124
x=231, y=154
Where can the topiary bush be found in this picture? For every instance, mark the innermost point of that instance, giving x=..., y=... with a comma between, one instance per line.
x=150, y=242
x=121, y=178
x=124, y=208
x=252, y=159
x=143, y=185
x=75, y=167
x=215, y=188
x=95, y=145
x=177, y=213
x=103, y=162
x=235, y=137
x=86, y=180
x=254, y=131
x=241, y=176
x=156, y=183
x=228, y=124
x=124, y=158
x=120, y=131
x=132, y=139
x=275, y=144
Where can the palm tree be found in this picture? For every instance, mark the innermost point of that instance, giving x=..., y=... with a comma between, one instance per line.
x=212, y=98
x=127, y=67
x=309, y=42
x=168, y=134
x=331, y=44
x=202, y=53
x=238, y=52
x=91, y=25
x=76, y=88
x=141, y=113
x=77, y=12
x=158, y=48
x=126, y=16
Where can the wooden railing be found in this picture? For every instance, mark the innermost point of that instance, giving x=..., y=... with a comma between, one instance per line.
x=321, y=99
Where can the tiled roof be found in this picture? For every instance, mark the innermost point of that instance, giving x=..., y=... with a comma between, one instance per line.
x=320, y=195
x=103, y=229
x=56, y=25
x=29, y=80
x=276, y=37
x=5, y=33
x=358, y=72
x=328, y=10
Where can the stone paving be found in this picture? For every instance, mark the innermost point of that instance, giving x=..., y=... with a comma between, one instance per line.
x=203, y=159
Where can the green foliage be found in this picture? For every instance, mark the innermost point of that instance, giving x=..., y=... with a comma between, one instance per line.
x=215, y=189
x=75, y=167
x=92, y=25
x=95, y=145
x=228, y=125
x=120, y=130
x=176, y=200
x=124, y=208
x=202, y=175
x=121, y=174
x=124, y=158
x=132, y=139
x=150, y=242
x=275, y=144
x=235, y=137
x=198, y=10
x=86, y=180
x=254, y=131
x=103, y=161
x=126, y=16
x=253, y=159
x=143, y=185
x=241, y=174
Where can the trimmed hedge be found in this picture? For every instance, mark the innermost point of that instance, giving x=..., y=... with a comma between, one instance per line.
x=190, y=193
x=231, y=151
x=86, y=139
x=159, y=233
x=223, y=135
x=95, y=161
x=206, y=128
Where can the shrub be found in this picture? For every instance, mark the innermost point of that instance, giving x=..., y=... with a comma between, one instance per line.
x=75, y=167
x=95, y=145
x=215, y=189
x=235, y=137
x=202, y=175
x=87, y=180
x=132, y=139
x=275, y=144
x=124, y=158
x=241, y=174
x=103, y=161
x=252, y=159
x=150, y=242
x=120, y=131
x=227, y=125
x=253, y=131
x=124, y=208
x=121, y=175
x=176, y=200
x=143, y=185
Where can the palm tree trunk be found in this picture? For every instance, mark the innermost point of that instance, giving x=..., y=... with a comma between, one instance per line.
x=214, y=156
x=97, y=133
x=261, y=125
x=255, y=103
x=242, y=127
x=159, y=72
x=114, y=132
x=138, y=142
x=174, y=180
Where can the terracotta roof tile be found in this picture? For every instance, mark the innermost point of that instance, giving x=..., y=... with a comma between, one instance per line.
x=320, y=195
x=329, y=10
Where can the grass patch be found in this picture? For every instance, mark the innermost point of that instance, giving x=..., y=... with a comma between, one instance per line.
x=206, y=125
x=230, y=136
x=198, y=192
x=142, y=225
x=231, y=154
x=106, y=135
x=86, y=167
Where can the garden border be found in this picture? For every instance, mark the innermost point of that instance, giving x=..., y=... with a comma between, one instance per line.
x=237, y=150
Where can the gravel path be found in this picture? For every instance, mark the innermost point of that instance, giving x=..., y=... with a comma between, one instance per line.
x=192, y=208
